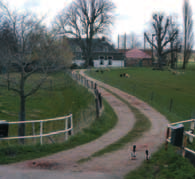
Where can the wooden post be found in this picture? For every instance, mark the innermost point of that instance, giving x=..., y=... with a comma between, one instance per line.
x=97, y=107
x=66, y=128
x=167, y=136
x=41, y=132
x=184, y=145
x=171, y=105
x=91, y=84
x=69, y=126
x=100, y=100
x=71, y=120
x=33, y=129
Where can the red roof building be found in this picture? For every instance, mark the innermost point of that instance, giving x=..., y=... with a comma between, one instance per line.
x=136, y=57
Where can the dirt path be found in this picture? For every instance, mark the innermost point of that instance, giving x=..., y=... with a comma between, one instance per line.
x=112, y=165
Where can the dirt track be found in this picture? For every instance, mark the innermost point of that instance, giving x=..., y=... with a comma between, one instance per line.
x=112, y=165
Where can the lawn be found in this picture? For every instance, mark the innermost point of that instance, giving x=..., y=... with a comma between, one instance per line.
x=159, y=88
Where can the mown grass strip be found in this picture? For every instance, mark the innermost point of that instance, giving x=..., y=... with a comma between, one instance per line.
x=100, y=126
x=164, y=165
x=131, y=136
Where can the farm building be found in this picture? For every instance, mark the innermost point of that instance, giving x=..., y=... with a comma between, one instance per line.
x=103, y=53
x=136, y=57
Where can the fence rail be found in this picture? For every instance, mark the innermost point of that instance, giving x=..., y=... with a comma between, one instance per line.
x=186, y=133
x=68, y=128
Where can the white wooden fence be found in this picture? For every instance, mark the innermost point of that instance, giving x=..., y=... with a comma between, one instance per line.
x=187, y=134
x=68, y=127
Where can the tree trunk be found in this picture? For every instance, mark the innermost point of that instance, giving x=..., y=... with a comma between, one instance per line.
x=21, y=127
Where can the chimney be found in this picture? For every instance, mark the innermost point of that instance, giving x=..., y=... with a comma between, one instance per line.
x=125, y=41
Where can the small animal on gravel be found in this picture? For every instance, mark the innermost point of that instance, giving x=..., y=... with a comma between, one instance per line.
x=147, y=156
x=133, y=153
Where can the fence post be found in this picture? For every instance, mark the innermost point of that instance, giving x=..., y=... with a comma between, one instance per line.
x=33, y=129
x=66, y=128
x=100, y=100
x=71, y=124
x=171, y=105
x=184, y=145
x=91, y=84
x=167, y=136
x=41, y=132
x=97, y=107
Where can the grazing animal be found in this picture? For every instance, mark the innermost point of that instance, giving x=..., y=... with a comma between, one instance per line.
x=126, y=75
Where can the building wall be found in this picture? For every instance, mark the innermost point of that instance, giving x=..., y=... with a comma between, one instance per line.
x=138, y=62
x=78, y=62
x=115, y=63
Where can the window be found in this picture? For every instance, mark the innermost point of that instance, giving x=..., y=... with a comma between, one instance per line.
x=110, y=60
x=105, y=49
x=78, y=49
x=101, y=60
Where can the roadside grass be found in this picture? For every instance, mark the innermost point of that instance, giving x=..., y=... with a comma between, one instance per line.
x=136, y=132
x=157, y=88
x=164, y=165
x=16, y=153
x=59, y=96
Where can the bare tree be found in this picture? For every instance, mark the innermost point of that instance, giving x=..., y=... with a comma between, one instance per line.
x=37, y=52
x=134, y=42
x=162, y=38
x=85, y=19
x=188, y=32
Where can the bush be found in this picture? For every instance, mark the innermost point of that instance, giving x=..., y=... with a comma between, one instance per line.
x=75, y=66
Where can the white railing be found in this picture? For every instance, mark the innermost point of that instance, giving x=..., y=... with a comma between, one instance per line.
x=189, y=133
x=68, y=127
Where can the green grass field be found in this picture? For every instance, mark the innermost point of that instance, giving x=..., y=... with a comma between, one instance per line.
x=58, y=96
x=158, y=88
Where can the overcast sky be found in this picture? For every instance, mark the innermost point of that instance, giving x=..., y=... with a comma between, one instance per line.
x=131, y=15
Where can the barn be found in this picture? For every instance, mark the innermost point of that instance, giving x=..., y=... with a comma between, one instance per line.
x=136, y=57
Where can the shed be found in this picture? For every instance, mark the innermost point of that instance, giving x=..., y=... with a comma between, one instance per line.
x=136, y=57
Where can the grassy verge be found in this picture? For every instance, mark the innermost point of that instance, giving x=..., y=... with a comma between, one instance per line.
x=136, y=132
x=59, y=96
x=164, y=165
x=100, y=126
